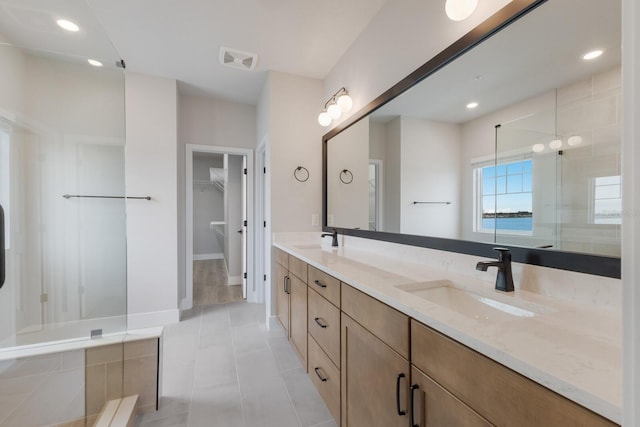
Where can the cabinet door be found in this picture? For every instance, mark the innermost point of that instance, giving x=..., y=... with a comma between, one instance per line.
x=375, y=380
x=282, y=296
x=433, y=406
x=298, y=324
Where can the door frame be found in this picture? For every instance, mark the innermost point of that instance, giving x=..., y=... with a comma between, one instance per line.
x=187, y=303
x=263, y=222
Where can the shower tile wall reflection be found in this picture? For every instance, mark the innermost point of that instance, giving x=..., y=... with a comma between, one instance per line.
x=42, y=390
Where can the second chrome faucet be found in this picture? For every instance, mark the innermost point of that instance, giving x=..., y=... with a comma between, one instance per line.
x=504, y=279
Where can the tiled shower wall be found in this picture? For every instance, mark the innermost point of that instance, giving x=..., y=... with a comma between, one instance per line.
x=59, y=389
x=42, y=390
x=122, y=369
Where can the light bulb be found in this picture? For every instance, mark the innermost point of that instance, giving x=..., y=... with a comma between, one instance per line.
x=574, y=140
x=592, y=55
x=345, y=102
x=94, y=62
x=334, y=111
x=537, y=148
x=472, y=105
x=324, y=119
x=68, y=25
x=458, y=10
x=556, y=144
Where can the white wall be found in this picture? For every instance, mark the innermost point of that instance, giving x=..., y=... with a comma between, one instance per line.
x=348, y=204
x=430, y=153
x=151, y=169
x=401, y=37
x=295, y=140
x=392, y=176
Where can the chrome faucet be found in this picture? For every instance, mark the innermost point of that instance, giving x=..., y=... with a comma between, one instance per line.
x=504, y=280
x=334, y=235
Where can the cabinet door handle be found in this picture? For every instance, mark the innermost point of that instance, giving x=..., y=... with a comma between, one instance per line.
x=288, y=284
x=321, y=322
x=319, y=283
x=319, y=374
x=287, y=287
x=398, y=379
x=414, y=387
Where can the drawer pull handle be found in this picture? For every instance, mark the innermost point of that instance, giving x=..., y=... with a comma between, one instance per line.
x=320, y=376
x=287, y=285
x=398, y=379
x=414, y=387
x=321, y=322
x=319, y=283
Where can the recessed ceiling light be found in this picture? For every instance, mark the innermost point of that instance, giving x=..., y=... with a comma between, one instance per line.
x=68, y=25
x=94, y=62
x=592, y=55
x=537, y=148
x=472, y=105
x=556, y=144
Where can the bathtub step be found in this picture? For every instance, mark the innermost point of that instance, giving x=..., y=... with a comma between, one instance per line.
x=118, y=413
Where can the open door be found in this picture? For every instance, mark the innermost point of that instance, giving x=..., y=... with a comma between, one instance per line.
x=244, y=227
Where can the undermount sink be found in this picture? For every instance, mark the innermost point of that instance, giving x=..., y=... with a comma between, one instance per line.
x=445, y=293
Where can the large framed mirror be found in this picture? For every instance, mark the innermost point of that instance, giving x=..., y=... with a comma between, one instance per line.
x=509, y=136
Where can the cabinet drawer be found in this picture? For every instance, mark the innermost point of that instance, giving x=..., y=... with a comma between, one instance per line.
x=499, y=394
x=325, y=285
x=388, y=324
x=298, y=268
x=326, y=377
x=324, y=325
x=282, y=257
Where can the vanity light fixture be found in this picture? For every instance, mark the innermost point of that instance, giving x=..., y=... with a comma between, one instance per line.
x=94, y=62
x=459, y=10
x=472, y=105
x=592, y=55
x=338, y=103
x=68, y=25
x=556, y=144
x=537, y=148
x=574, y=140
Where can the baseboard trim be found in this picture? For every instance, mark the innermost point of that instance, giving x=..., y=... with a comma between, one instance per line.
x=204, y=257
x=152, y=318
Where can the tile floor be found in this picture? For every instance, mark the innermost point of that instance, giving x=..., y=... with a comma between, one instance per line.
x=225, y=366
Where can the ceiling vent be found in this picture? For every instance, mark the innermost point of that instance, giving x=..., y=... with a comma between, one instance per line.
x=238, y=59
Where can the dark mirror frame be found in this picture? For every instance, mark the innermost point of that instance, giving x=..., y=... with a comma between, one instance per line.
x=579, y=262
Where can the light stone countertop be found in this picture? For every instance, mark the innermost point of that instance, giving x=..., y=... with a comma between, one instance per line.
x=573, y=349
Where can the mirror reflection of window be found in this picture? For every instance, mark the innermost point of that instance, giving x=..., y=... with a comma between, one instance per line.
x=506, y=197
x=607, y=200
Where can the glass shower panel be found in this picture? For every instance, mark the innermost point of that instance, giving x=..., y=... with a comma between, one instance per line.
x=62, y=135
x=528, y=185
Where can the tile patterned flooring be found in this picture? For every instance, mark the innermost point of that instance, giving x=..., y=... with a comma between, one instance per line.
x=224, y=365
x=210, y=284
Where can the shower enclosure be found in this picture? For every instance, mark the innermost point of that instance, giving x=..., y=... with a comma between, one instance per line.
x=558, y=172
x=62, y=187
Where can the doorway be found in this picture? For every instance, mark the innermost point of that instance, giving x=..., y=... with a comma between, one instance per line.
x=219, y=245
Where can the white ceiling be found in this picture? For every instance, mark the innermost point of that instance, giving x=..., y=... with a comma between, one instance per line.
x=181, y=39
x=537, y=53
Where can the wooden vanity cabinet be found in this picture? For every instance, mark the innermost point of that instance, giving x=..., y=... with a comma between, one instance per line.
x=281, y=288
x=374, y=366
x=498, y=394
x=291, y=300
